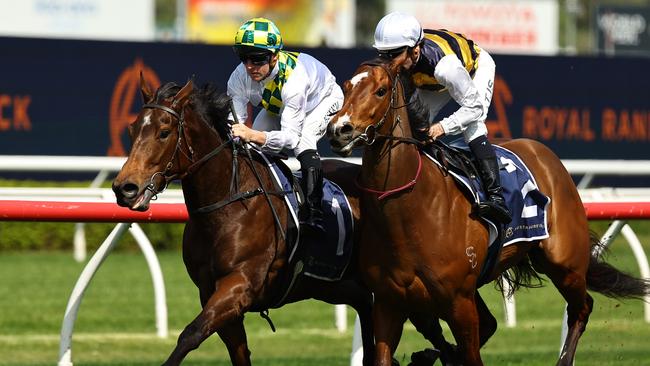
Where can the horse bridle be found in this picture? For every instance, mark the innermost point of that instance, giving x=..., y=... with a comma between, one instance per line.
x=369, y=135
x=152, y=187
x=374, y=127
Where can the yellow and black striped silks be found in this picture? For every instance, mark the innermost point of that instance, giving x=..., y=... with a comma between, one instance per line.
x=271, y=96
x=438, y=44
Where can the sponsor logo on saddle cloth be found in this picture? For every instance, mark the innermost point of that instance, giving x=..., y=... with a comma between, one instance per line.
x=328, y=258
x=526, y=203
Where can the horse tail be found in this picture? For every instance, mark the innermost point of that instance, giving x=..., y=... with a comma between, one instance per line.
x=520, y=275
x=609, y=281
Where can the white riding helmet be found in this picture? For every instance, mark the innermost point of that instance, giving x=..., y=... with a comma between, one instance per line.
x=397, y=30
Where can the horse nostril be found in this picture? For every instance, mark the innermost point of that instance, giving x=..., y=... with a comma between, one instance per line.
x=346, y=129
x=129, y=190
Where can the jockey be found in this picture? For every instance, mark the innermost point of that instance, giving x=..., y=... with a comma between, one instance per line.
x=298, y=95
x=444, y=65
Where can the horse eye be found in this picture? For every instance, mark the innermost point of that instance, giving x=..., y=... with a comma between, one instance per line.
x=164, y=134
x=381, y=92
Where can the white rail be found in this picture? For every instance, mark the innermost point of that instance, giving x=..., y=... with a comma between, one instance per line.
x=106, y=165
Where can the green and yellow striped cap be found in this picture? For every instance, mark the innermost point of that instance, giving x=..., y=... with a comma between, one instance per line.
x=259, y=33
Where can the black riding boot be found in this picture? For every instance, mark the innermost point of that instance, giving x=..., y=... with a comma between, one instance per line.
x=312, y=188
x=494, y=207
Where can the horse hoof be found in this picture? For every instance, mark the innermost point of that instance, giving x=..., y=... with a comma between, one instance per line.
x=426, y=357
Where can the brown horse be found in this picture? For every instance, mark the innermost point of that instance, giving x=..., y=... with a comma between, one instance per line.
x=436, y=246
x=234, y=249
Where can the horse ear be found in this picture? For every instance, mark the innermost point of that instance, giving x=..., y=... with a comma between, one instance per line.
x=396, y=64
x=147, y=95
x=181, y=97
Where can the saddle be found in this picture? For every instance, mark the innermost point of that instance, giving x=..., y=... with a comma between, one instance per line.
x=325, y=258
x=520, y=191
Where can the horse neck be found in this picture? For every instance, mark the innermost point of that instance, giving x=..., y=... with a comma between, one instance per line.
x=390, y=162
x=209, y=182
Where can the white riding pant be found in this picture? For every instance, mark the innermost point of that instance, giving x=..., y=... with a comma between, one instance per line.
x=484, y=82
x=314, y=126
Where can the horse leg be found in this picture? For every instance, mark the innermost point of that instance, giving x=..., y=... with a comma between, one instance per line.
x=464, y=324
x=364, y=310
x=388, y=323
x=223, y=307
x=233, y=336
x=487, y=322
x=570, y=280
x=430, y=328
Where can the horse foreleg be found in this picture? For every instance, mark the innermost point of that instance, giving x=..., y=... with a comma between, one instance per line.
x=223, y=309
x=364, y=310
x=233, y=336
x=388, y=324
x=464, y=324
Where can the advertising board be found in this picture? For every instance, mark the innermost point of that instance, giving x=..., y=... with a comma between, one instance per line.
x=500, y=26
x=63, y=97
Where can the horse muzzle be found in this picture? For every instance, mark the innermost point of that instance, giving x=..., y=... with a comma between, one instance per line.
x=130, y=195
x=342, y=138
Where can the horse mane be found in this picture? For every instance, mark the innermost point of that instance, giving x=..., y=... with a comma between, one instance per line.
x=212, y=105
x=417, y=111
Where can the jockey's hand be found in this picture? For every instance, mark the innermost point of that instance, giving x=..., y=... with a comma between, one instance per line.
x=248, y=134
x=436, y=131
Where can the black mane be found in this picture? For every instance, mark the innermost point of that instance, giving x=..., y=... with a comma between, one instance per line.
x=417, y=110
x=212, y=105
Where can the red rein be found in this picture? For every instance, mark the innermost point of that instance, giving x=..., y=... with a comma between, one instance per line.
x=384, y=194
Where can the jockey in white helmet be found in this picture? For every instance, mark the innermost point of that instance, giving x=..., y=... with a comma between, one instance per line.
x=444, y=65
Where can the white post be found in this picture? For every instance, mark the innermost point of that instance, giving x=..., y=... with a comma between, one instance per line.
x=356, y=358
x=79, y=241
x=341, y=316
x=642, y=261
x=156, y=276
x=65, y=346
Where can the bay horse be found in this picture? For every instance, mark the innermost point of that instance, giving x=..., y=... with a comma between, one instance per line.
x=236, y=252
x=433, y=247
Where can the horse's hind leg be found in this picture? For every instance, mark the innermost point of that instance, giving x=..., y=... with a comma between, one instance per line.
x=487, y=322
x=567, y=270
x=430, y=328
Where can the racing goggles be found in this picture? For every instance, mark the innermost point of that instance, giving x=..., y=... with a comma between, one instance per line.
x=391, y=54
x=257, y=59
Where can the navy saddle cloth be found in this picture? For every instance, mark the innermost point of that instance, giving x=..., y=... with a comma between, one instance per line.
x=326, y=257
x=526, y=203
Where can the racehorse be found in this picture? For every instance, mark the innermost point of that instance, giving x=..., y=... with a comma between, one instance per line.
x=235, y=242
x=434, y=245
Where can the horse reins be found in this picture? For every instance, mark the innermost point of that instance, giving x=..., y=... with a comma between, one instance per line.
x=234, y=197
